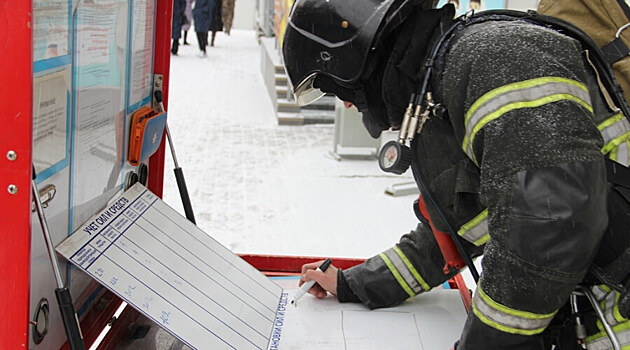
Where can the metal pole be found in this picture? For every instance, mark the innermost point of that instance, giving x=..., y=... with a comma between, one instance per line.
x=179, y=173
x=64, y=299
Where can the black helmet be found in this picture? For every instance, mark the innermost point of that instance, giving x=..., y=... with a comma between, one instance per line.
x=331, y=38
x=341, y=47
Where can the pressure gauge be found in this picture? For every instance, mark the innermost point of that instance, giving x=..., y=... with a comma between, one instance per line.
x=394, y=158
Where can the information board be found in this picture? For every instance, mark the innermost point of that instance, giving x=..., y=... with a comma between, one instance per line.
x=171, y=271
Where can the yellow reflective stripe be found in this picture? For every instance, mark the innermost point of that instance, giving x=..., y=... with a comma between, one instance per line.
x=609, y=302
x=412, y=269
x=616, y=133
x=520, y=85
x=600, y=341
x=614, y=143
x=608, y=307
x=610, y=121
x=397, y=275
x=525, y=94
x=621, y=154
x=599, y=292
x=514, y=312
x=613, y=296
x=518, y=105
x=404, y=272
x=483, y=240
x=507, y=319
x=476, y=230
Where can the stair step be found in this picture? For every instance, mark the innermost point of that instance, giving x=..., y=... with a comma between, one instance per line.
x=306, y=117
x=281, y=92
x=281, y=79
x=279, y=69
x=291, y=106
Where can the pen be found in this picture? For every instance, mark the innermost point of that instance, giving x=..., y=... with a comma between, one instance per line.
x=308, y=285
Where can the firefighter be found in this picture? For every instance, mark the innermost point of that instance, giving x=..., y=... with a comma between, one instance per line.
x=514, y=153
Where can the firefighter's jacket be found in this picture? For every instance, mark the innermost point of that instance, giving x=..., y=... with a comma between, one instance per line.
x=518, y=166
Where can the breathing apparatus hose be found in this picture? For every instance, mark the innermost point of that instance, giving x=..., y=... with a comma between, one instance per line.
x=454, y=236
x=418, y=174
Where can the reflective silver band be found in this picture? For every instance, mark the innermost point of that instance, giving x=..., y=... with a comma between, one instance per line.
x=615, y=130
x=622, y=154
x=507, y=319
x=403, y=271
x=601, y=341
x=598, y=292
x=609, y=308
x=527, y=94
x=475, y=231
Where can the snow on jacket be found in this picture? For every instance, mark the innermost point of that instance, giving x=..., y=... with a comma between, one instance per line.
x=517, y=164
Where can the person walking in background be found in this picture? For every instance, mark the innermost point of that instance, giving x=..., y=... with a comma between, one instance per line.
x=178, y=19
x=227, y=14
x=216, y=25
x=202, y=15
x=188, y=15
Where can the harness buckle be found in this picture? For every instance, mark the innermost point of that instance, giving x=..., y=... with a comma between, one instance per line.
x=621, y=29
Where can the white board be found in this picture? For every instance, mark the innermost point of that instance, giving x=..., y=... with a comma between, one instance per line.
x=175, y=274
x=209, y=298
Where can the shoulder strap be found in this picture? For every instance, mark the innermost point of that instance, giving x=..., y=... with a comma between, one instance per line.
x=595, y=53
x=625, y=8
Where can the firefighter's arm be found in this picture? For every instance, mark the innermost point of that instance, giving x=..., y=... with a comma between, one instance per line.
x=411, y=267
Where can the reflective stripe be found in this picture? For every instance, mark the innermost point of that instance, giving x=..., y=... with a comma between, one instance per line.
x=599, y=292
x=507, y=319
x=526, y=94
x=608, y=306
x=621, y=154
x=600, y=340
x=616, y=133
x=400, y=266
x=475, y=231
x=414, y=272
x=397, y=275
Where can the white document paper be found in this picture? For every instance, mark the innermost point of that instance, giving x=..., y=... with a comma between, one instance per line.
x=50, y=120
x=209, y=298
x=432, y=321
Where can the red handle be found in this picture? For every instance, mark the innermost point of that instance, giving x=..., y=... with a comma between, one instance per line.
x=451, y=256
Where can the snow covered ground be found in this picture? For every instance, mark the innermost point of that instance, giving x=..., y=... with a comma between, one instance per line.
x=258, y=187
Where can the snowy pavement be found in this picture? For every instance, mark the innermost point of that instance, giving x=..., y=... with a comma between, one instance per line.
x=261, y=188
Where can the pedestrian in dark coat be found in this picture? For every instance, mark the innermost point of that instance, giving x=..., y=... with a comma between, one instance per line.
x=178, y=19
x=189, y=19
x=216, y=25
x=202, y=15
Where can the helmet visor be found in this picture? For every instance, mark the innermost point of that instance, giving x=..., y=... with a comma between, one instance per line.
x=305, y=93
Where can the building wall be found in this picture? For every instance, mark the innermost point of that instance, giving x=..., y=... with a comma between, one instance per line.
x=521, y=4
x=244, y=14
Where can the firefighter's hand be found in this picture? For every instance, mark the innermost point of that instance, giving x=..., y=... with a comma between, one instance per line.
x=326, y=281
